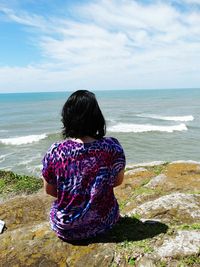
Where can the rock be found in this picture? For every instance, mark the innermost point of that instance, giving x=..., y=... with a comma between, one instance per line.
x=147, y=221
x=184, y=208
x=182, y=177
x=177, y=176
x=98, y=256
x=136, y=177
x=185, y=243
x=185, y=161
x=38, y=246
x=134, y=171
x=156, y=181
x=146, y=262
x=164, y=202
x=24, y=210
x=132, y=179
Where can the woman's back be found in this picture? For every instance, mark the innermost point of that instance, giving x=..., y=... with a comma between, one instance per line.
x=84, y=174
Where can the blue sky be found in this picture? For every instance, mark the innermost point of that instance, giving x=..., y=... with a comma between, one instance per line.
x=50, y=45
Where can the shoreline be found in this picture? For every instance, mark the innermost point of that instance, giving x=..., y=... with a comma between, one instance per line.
x=129, y=165
x=13, y=183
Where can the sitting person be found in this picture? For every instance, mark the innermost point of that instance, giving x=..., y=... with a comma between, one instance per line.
x=82, y=170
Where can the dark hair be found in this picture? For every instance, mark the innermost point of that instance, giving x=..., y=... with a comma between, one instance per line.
x=81, y=116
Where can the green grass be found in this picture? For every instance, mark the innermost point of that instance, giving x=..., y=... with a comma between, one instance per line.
x=131, y=261
x=158, y=169
x=15, y=183
x=142, y=191
x=136, y=192
x=146, y=181
x=145, y=191
x=193, y=192
x=162, y=264
x=193, y=260
x=128, y=247
x=122, y=203
x=2, y=185
x=194, y=226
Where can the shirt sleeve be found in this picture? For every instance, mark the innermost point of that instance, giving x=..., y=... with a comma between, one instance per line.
x=48, y=170
x=119, y=159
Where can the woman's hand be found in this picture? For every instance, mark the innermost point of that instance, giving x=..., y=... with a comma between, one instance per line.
x=50, y=189
x=120, y=178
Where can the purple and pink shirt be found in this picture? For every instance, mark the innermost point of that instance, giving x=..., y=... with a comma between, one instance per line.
x=84, y=174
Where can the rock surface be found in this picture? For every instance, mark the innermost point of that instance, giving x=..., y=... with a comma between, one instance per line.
x=156, y=181
x=160, y=227
x=184, y=243
x=179, y=206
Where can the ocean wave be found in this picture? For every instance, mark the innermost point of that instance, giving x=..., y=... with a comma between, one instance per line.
x=168, y=118
x=22, y=140
x=140, y=128
x=35, y=170
x=2, y=158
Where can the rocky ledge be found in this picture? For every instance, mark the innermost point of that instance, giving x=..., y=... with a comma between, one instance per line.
x=160, y=225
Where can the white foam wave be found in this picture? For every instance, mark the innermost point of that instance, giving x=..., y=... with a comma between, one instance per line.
x=22, y=140
x=24, y=162
x=168, y=118
x=35, y=170
x=2, y=158
x=145, y=164
x=140, y=128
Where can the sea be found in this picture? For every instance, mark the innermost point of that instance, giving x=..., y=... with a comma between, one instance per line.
x=151, y=125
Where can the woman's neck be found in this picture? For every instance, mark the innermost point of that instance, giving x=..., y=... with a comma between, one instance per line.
x=84, y=139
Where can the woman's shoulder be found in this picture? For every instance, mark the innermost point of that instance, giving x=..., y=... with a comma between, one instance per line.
x=112, y=141
x=58, y=145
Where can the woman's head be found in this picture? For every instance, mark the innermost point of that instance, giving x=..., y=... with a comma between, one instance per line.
x=81, y=116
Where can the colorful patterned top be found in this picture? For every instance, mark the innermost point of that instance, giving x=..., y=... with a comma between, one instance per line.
x=84, y=174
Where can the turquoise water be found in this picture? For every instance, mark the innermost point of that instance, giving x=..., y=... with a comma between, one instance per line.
x=150, y=124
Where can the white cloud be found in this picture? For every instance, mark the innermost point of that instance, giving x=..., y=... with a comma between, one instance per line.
x=24, y=18
x=192, y=1
x=115, y=44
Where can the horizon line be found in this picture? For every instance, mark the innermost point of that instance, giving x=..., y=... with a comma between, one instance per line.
x=100, y=90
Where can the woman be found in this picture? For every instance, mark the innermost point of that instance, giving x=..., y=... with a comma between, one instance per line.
x=82, y=170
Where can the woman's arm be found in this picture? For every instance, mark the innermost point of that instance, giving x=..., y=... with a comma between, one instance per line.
x=50, y=189
x=120, y=178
